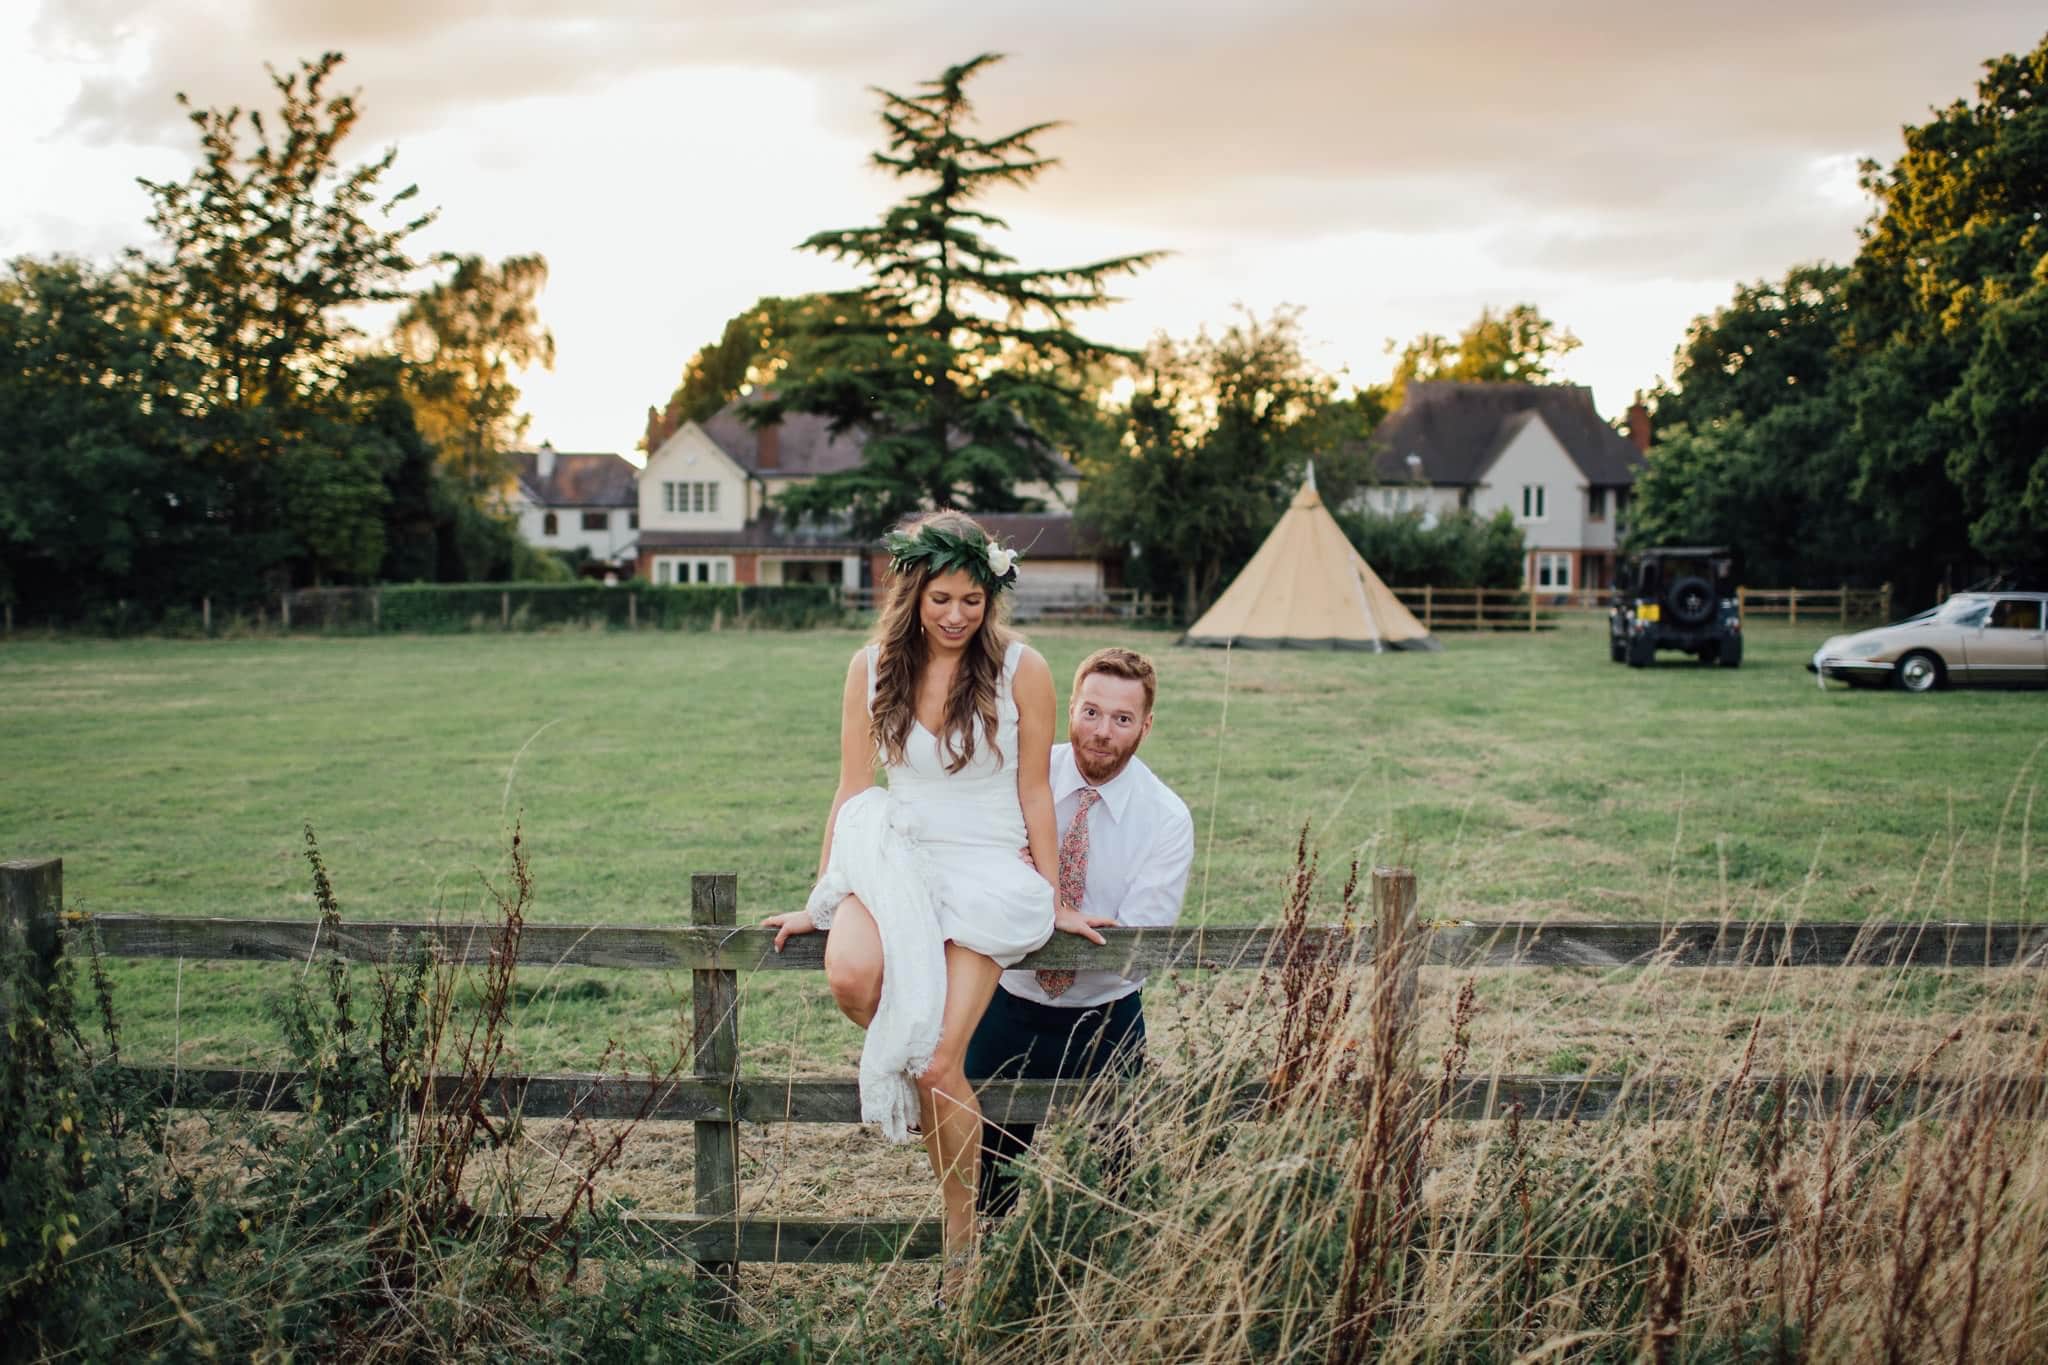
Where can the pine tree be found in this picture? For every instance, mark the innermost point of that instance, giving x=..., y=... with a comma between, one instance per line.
x=955, y=365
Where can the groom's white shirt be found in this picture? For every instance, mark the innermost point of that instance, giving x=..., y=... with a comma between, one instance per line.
x=1141, y=843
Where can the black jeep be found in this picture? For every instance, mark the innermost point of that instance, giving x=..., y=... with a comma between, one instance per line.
x=1677, y=597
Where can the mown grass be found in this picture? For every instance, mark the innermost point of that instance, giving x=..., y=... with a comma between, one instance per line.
x=1521, y=776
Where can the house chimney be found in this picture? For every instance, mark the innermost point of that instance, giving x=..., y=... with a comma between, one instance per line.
x=1639, y=425
x=547, y=459
x=768, y=447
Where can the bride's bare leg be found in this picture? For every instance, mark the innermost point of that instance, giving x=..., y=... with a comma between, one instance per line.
x=853, y=961
x=951, y=1115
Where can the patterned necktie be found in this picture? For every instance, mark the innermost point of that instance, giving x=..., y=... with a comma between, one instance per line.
x=1073, y=881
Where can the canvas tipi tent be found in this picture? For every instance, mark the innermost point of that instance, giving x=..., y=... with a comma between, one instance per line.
x=1307, y=588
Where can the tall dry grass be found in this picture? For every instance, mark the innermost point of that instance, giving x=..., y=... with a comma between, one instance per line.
x=1741, y=1202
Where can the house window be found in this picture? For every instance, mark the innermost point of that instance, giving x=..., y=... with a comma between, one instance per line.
x=633, y=520
x=1554, y=571
x=549, y=525
x=597, y=521
x=675, y=570
x=1596, y=504
x=1532, y=502
x=689, y=497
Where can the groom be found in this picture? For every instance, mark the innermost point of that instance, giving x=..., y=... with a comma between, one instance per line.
x=1126, y=843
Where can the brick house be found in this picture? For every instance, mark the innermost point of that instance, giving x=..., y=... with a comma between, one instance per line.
x=704, y=512
x=1542, y=451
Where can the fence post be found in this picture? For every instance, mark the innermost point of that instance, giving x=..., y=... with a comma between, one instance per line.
x=1794, y=611
x=505, y=610
x=377, y=609
x=284, y=611
x=1397, y=952
x=1884, y=602
x=632, y=610
x=1479, y=609
x=1428, y=619
x=715, y=1036
x=206, y=615
x=1742, y=601
x=1532, y=610
x=31, y=910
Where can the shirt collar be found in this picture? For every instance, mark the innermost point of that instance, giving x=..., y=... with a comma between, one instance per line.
x=1117, y=794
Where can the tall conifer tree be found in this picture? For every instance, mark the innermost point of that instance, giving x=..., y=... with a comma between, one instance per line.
x=955, y=364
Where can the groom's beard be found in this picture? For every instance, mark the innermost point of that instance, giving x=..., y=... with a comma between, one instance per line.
x=1098, y=769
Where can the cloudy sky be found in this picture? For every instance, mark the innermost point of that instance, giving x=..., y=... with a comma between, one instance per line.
x=1389, y=167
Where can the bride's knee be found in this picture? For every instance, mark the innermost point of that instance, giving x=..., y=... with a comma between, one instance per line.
x=944, y=1079
x=856, y=986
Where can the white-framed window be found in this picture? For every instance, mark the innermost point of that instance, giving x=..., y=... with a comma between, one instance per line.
x=1532, y=502
x=674, y=570
x=693, y=497
x=550, y=524
x=1553, y=571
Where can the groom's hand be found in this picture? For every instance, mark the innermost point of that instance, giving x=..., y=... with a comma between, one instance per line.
x=797, y=923
x=1068, y=919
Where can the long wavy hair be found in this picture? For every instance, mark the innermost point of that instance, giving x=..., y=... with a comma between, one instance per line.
x=899, y=666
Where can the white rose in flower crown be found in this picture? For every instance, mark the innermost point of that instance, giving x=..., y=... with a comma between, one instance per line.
x=1000, y=560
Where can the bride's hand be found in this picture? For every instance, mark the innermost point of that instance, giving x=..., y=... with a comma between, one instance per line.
x=798, y=922
x=1068, y=919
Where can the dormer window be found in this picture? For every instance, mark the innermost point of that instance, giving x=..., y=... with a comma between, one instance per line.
x=692, y=497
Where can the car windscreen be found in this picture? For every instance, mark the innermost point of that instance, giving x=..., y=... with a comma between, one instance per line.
x=1965, y=611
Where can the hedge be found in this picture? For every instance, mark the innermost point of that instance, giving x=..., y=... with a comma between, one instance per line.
x=444, y=607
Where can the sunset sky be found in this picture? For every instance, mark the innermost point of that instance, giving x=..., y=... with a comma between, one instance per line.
x=1389, y=167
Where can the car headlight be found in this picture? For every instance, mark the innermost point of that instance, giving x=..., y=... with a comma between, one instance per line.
x=1865, y=649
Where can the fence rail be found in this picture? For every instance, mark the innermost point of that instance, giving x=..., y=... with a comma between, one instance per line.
x=716, y=1099
x=1840, y=605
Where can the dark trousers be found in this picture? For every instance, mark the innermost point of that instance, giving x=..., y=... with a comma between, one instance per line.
x=1023, y=1040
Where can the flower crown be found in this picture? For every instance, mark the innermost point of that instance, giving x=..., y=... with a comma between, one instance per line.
x=988, y=563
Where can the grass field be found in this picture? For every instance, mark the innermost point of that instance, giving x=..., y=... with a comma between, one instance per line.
x=1522, y=776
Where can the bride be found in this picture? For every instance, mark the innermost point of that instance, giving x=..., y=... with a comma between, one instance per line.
x=934, y=884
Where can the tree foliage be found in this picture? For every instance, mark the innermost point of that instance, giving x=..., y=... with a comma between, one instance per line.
x=954, y=362
x=751, y=350
x=1216, y=438
x=1517, y=345
x=207, y=420
x=463, y=337
x=1885, y=420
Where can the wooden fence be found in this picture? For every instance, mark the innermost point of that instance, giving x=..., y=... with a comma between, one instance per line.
x=717, y=1099
x=1521, y=609
x=1819, y=605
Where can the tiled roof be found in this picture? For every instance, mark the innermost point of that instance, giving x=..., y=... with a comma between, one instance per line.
x=1460, y=429
x=1042, y=535
x=806, y=445
x=585, y=480
x=762, y=533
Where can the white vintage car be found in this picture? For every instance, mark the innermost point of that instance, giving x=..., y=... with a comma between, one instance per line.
x=1974, y=639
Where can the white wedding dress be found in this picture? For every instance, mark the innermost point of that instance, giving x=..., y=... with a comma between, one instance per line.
x=935, y=857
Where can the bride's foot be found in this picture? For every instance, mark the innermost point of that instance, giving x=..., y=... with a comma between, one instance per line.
x=956, y=1278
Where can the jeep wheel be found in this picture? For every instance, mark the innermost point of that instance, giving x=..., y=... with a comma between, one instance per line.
x=1692, y=600
x=1641, y=652
x=1731, y=654
x=1616, y=650
x=1920, y=671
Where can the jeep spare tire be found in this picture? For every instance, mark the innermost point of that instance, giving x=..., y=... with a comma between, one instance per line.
x=1692, y=600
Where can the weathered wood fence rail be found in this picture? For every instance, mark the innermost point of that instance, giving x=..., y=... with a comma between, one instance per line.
x=715, y=949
